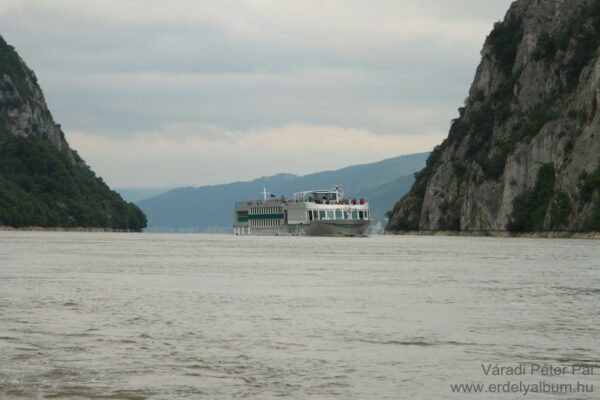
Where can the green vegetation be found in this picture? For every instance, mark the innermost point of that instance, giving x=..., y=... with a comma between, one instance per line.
x=532, y=123
x=41, y=186
x=505, y=39
x=410, y=221
x=530, y=207
x=11, y=65
x=593, y=222
x=582, y=35
x=589, y=191
x=450, y=216
x=589, y=183
x=560, y=210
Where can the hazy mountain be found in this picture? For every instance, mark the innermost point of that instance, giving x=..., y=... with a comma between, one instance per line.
x=211, y=207
x=137, y=194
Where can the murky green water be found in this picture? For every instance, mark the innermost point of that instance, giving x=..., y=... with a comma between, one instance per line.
x=145, y=316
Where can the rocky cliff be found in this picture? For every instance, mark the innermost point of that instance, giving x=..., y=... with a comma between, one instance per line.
x=524, y=152
x=23, y=108
x=43, y=182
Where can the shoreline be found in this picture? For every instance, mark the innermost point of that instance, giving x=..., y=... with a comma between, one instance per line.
x=502, y=234
x=484, y=233
x=62, y=229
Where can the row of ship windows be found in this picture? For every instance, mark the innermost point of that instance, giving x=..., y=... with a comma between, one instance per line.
x=337, y=214
x=266, y=210
x=265, y=222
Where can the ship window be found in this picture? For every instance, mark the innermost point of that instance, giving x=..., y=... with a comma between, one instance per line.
x=366, y=214
x=330, y=215
x=346, y=214
x=321, y=214
x=338, y=214
x=310, y=215
x=360, y=215
x=354, y=214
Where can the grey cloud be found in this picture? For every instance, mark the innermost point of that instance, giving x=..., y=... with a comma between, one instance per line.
x=108, y=71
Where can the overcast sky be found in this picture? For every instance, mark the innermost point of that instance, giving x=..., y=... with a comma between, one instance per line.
x=189, y=92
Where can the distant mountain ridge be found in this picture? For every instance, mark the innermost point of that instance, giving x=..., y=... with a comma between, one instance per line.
x=210, y=208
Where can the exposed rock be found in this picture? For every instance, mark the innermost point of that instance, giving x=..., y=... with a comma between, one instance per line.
x=23, y=108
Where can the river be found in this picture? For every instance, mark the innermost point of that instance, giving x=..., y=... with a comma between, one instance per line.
x=185, y=316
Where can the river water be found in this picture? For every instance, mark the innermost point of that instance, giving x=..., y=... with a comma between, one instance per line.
x=174, y=316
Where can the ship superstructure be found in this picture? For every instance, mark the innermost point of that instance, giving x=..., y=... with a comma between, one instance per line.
x=313, y=213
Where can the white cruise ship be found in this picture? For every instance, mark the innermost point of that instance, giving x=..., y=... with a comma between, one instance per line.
x=311, y=213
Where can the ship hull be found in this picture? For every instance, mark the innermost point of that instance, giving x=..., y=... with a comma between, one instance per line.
x=347, y=228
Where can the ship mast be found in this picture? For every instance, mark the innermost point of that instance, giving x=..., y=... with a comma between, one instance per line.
x=264, y=193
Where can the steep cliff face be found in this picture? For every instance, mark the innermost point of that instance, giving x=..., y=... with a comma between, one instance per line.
x=43, y=182
x=524, y=153
x=23, y=108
